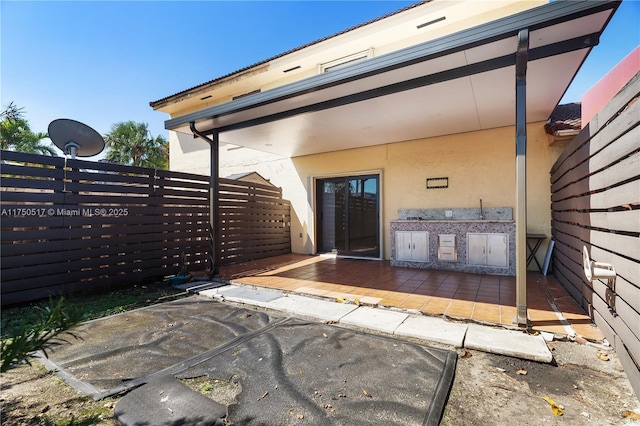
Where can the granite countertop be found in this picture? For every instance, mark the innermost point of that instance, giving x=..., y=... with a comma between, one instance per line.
x=452, y=220
x=453, y=215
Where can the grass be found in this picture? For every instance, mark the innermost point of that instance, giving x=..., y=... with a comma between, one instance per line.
x=94, y=305
x=45, y=398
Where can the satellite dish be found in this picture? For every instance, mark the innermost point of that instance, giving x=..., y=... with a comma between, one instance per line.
x=75, y=138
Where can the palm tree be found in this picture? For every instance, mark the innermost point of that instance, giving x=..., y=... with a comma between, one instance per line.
x=132, y=144
x=16, y=134
x=11, y=112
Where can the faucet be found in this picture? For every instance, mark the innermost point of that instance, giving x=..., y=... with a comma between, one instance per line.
x=481, y=215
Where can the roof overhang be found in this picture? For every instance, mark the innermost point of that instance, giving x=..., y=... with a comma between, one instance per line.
x=463, y=82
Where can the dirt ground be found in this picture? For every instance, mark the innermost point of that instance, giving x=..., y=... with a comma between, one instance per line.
x=587, y=384
x=497, y=390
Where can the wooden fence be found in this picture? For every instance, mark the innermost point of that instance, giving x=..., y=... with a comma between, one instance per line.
x=73, y=225
x=596, y=203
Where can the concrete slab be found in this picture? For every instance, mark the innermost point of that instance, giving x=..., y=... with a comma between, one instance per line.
x=507, y=342
x=353, y=298
x=197, y=286
x=433, y=329
x=308, y=307
x=249, y=295
x=375, y=319
x=215, y=293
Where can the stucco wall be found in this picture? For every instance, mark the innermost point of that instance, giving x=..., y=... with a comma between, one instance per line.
x=479, y=165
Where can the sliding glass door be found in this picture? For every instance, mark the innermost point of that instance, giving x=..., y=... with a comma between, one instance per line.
x=348, y=215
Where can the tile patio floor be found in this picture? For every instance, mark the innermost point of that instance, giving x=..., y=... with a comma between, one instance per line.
x=488, y=299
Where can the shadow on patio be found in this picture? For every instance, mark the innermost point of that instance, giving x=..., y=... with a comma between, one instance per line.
x=488, y=299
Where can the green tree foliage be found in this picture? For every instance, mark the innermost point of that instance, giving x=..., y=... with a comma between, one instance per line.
x=52, y=321
x=16, y=134
x=132, y=144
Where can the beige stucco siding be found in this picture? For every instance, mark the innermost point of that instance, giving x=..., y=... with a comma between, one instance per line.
x=479, y=165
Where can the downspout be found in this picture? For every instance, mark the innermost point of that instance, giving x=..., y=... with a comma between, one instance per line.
x=214, y=191
x=522, y=56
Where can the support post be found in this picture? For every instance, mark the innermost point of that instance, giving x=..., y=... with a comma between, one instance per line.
x=521, y=177
x=214, y=192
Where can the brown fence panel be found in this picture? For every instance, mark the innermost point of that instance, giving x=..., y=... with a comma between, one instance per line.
x=596, y=203
x=74, y=225
x=255, y=222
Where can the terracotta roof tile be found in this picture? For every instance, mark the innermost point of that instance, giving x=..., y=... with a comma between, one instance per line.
x=565, y=117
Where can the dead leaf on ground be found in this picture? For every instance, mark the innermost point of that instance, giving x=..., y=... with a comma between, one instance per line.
x=554, y=407
x=366, y=393
x=631, y=415
x=603, y=356
x=467, y=354
x=340, y=300
x=522, y=372
x=357, y=301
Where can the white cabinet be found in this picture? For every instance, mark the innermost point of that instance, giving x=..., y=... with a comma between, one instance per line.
x=412, y=245
x=488, y=249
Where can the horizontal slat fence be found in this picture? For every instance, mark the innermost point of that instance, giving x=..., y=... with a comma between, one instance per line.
x=74, y=225
x=255, y=222
x=595, y=187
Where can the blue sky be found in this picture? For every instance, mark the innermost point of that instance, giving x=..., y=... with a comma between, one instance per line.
x=102, y=62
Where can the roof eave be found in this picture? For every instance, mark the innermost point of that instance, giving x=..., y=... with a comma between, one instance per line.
x=535, y=18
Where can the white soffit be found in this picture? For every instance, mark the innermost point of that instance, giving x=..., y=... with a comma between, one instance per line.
x=315, y=120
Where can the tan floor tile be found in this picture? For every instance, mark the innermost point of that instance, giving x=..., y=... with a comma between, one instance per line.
x=486, y=312
x=412, y=304
x=460, y=309
x=378, y=293
x=437, y=291
x=419, y=298
x=311, y=290
x=464, y=314
x=436, y=306
x=393, y=300
x=588, y=331
x=507, y=314
x=550, y=328
x=540, y=315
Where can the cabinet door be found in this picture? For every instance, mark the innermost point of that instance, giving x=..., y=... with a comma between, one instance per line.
x=477, y=249
x=497, y=245
x=420, y=246
x=403, y=245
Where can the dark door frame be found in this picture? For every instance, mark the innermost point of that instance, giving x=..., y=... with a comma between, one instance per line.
x=317, y=209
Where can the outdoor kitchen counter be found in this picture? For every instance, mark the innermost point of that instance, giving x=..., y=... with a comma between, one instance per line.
x=461, y=228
